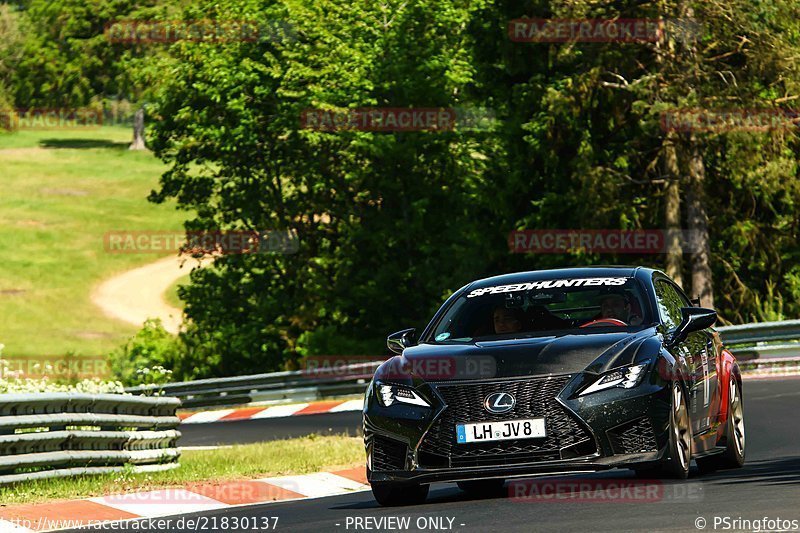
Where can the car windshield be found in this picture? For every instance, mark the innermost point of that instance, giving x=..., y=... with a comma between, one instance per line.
x=544, y=307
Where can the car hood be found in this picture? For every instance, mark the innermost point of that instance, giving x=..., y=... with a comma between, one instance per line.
x=589, y=352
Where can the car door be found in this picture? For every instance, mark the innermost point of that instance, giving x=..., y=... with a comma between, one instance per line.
x=714, y=350
x=705, y=354
x=696, y=350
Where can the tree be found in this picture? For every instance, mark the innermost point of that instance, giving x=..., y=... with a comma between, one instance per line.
x=68, y=58
x=587, y=149
x=388, y=223
x=138, y=130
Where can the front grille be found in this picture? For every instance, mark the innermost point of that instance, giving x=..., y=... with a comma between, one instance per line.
x=388, y=454
x=536, y=398
x=634, y=437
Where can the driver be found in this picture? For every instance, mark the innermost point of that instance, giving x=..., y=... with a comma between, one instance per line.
x=617, y=305
x=506, y=320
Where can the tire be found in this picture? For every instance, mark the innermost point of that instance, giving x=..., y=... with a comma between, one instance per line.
x=483, y=487
x=675, y=464
x=396, y=494
x=735, y=441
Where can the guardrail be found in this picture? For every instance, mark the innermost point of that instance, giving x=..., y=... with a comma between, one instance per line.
x=768, y=366
x=784, y=330
x=758, y=340
x=275, y=387
x=46, y=435
x=748, y=342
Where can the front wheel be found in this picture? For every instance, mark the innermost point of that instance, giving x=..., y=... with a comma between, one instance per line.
x=679, y=452
x=394, y=494
x=733, y=456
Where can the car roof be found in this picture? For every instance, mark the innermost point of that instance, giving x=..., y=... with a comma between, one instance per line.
x=561, y=273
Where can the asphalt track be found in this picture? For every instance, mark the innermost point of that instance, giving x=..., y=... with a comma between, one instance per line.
x=767, y=487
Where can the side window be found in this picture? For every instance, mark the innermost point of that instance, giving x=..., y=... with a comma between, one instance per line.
x=670, y=302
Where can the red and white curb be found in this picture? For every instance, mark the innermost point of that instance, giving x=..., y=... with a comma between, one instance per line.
x=197, y=497
x=275, y=411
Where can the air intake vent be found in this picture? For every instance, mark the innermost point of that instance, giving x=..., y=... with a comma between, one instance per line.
x=388, y=454
x=634, y=437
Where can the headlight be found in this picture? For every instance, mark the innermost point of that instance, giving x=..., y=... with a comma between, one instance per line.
x=626, y=378
x=389, y=394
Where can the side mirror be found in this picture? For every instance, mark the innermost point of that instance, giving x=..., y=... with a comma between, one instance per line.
x=693, y=319
x=399, y=341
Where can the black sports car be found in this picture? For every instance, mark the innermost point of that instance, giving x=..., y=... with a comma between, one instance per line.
x=553, y=371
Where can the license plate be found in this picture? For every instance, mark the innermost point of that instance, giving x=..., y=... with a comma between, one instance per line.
x=531, y=428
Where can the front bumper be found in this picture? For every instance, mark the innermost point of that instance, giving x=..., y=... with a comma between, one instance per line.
x=607, y=429
x=508, y=472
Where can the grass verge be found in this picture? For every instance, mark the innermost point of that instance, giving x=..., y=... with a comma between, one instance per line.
x=303, y=455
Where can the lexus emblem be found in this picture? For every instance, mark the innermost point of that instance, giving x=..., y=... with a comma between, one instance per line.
x=499, y=402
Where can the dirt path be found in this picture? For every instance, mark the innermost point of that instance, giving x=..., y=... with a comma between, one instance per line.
x=138, y=294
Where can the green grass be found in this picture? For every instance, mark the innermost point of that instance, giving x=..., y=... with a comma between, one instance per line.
x=171, y=296
x=62, y=191
x=292, y=456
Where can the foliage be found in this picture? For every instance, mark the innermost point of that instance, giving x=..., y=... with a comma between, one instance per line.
x=327, y=340
x=68, y=60
x=363, y=204
x=31, y=386
x=147, y=356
